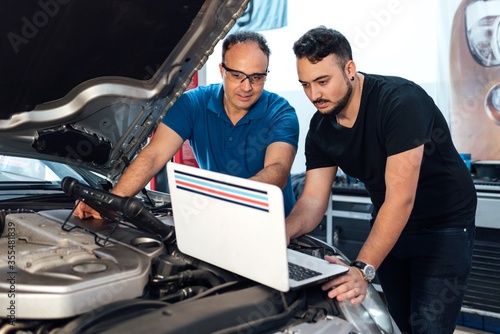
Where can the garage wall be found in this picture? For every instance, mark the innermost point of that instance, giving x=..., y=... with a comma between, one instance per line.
x=408, y=38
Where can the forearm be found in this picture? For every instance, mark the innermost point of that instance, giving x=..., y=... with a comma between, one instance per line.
x=304, y=217
x=151, y=159
x=401, y=178
x=389, y=224
x=312, y=203
x=137, y=175
x=276, y=174
x=277, y=164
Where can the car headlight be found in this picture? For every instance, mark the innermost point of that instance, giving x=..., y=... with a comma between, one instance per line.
x=371, y=316
x=492, y=104
x=482, y=22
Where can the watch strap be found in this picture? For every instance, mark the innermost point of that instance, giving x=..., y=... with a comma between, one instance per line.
x=361, y=266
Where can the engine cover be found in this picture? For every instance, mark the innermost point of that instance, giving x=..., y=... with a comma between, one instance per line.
x=50, y=273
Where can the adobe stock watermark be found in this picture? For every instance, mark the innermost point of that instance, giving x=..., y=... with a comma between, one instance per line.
x=451, y=293
x=380, y=20
x=263, y=310
x=90, y=307
x=467, y=103
x=30, y=26
x=11, y=273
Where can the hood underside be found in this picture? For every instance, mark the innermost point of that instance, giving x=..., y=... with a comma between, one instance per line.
x=86, y=82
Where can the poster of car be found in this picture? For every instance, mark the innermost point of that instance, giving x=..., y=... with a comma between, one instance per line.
x=475, y=79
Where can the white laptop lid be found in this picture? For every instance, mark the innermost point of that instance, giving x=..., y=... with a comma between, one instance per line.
x=234, y=223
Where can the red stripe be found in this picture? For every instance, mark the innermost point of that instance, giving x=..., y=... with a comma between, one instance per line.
x=218, y=192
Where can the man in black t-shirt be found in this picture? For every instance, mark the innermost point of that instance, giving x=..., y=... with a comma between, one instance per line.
x=388, y=133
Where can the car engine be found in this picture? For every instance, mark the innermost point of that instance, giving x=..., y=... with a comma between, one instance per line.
x=54, y=274
x=61, y=274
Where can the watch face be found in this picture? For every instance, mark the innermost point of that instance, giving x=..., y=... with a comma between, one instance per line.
x=367, y=269
x=369, y=272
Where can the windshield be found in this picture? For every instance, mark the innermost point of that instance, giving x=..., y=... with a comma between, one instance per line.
x=17, y=169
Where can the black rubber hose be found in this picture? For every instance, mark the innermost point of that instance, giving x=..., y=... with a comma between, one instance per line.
x=109, y=314
x=189, y=276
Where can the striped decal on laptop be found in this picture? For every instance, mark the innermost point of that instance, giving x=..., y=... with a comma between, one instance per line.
x=248, y=197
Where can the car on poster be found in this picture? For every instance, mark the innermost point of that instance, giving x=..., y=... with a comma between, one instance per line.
x=84, y=84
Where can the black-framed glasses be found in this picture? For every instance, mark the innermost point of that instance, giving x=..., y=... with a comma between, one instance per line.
x=235, y=76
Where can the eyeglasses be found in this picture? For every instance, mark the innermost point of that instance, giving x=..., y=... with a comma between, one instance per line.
x=256, y=79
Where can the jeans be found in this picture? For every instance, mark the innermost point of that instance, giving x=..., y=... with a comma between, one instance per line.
x=424, y=278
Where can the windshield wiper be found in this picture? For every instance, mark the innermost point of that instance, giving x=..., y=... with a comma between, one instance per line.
x=29, y=185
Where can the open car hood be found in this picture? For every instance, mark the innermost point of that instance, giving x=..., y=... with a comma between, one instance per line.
x=86, y=82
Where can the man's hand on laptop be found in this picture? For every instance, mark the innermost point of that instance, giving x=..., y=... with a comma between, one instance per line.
x=351, y=286
x=83, y=211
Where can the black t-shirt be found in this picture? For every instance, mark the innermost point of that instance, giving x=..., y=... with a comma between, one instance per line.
x=397, y=115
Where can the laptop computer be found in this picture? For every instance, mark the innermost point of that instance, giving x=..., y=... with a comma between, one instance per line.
x=239, y=225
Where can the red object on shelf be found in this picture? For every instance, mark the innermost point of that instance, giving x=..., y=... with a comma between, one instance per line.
x=152, y=183
x=185, y=155
x=194, y=82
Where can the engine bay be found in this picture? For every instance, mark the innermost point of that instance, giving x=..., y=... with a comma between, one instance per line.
x=57, y=274
x=63, y=278
x=67, y=275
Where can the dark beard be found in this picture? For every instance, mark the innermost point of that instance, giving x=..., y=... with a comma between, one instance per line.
x=343, y=102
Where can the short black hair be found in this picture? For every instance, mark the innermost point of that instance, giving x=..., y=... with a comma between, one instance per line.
x=245, y=36
x=321, y=42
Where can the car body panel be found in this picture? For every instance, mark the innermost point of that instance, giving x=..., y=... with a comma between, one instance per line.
x=88, y=81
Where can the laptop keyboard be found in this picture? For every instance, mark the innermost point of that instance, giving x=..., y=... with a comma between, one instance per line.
x=299, y=273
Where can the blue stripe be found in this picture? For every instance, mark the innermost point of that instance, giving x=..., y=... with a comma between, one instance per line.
x=250, y=194
x=222, y=199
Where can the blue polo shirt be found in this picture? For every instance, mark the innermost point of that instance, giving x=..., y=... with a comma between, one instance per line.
x=218, y=145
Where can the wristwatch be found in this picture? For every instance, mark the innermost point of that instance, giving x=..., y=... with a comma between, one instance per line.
x=367, y=269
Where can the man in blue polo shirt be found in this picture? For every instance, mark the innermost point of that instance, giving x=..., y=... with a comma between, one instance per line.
x=236, y=127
